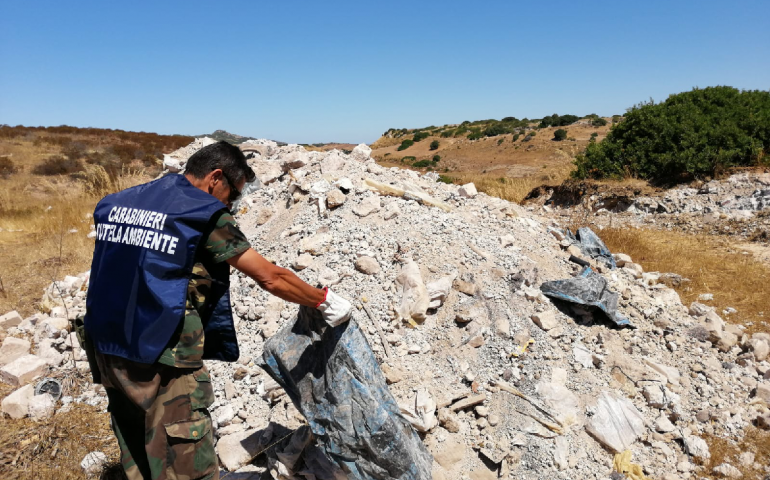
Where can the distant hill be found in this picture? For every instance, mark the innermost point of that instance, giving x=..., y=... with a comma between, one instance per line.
x=501, y=148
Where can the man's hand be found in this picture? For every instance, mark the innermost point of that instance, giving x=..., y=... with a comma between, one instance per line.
x=335, y=309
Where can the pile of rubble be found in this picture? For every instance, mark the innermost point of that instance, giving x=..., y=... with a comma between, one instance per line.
x=736, y=206
x=500, y=381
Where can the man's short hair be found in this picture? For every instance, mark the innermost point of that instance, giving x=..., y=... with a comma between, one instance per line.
x=224, y=156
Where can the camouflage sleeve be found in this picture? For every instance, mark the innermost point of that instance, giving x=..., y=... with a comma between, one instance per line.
x=226, y=240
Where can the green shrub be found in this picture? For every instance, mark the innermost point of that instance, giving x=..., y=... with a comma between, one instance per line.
x=560, y=135
x=516, y=137
x=7, y=167
x=447, y=133
x=594, y=135
x=700, y=132
x=436, y=158
x=421, y=164
x=460, y=131
x=598, y=122
x=434, y=145
x=405, y=144
x=556, y=120
x=500, y=142
x=408, y=159
x=445, y=179
x=495, y=130
x=420, y=136
x=58, y=165
x=475, y=135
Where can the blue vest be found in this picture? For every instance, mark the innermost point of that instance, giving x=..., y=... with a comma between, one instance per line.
x=146, y=239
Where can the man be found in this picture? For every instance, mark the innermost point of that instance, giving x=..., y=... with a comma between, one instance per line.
x=158, y=304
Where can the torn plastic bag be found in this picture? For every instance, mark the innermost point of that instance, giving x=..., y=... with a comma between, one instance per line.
x=332, y=376
x=591, y=245
x=589, y=289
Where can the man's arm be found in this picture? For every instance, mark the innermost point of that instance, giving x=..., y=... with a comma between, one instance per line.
x=279, y=281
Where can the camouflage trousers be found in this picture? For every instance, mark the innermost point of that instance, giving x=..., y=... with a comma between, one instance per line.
x=160, y=418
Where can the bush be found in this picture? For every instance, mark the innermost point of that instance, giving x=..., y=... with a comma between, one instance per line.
x=445, y=179
x=475, y=135
x=408, y=159
x=436, y=158
x=420, y=136
x=7, y=167
x=447, y=133
x=598, y=122
x=434, y=145
x=500, y=142
x=556, y=120
x=495, y=130
x=560, y=135
x=58, y=165
x=516, y=137
x=594, y=135
x=405, y=144
x=421, y=164
x=700, y=132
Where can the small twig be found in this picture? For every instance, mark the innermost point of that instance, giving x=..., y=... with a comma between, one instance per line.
x=379, y=330
x=505, y=386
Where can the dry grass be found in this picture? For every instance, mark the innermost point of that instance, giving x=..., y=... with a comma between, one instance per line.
x=755, y=441
x=736, y=280
x=512, y=189
x=44, y=221
x=53, y=449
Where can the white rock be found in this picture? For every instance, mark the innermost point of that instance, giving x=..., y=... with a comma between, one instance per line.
x=391, y=211
x=697, y=447
x=10, y=319
x=16, y=405
x=414, y=295
x=302, y=262
x=12, y=349
x=362, y=152
x=621, y=259
x=236, y=450
x=616, y=424
x=583, y=355
x=367, y=206
x=315, y=244
x=671, y=373
x=561, y=453
x=23, y=370
x=439, y=290
x=663, y=424
x=545, y=320
x=41, y=407
x=468, y=190
x=335, y=198
x=93, y=463
x=561, y=400
x=367, y=265
x=224, y=415
x=728, y=471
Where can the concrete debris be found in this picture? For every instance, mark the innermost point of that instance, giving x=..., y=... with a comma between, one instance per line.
x=450, y=280
x=93, y=463
x=616, y=424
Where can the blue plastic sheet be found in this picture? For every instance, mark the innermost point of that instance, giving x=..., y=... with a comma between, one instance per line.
x=332, y=376
x=593, y=246
x=589, y=289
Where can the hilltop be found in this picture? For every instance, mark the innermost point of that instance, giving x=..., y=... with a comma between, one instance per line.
x=228, y=137
x=506, y=148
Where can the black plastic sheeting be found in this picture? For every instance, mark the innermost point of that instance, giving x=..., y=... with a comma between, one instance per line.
x=591, y=245
x=332, y=376
x=588, y=289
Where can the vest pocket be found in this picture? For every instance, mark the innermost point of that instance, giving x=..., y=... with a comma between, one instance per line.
x=190, y=449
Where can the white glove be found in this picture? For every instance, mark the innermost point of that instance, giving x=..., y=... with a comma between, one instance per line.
x=335, y=309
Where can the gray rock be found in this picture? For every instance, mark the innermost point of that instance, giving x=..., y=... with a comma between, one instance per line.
x=10, y=319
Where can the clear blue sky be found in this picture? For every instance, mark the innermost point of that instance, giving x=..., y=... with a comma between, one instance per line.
x=346, y=71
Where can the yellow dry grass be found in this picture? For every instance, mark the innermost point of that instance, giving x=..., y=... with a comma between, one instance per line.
x=53, y=449
x=512, y=189
x=44, y=222
x=713, y=266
